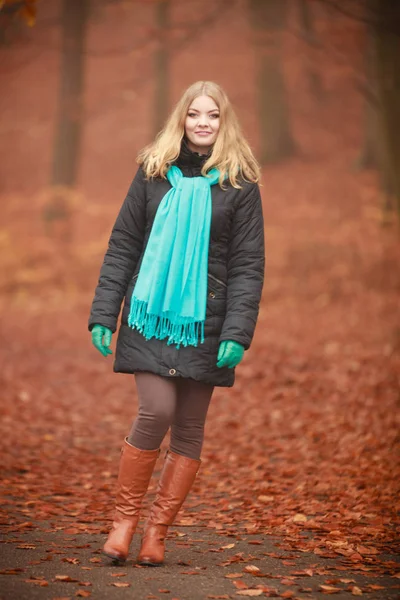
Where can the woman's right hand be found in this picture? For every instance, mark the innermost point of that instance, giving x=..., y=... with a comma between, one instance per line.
x=101, y=339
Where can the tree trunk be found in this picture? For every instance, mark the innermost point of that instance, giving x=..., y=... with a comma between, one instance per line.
x=268, y=20
x=368, y=157
x=70, y=101
x=161, y=99
x=57, y=213
x=387, y=69
x=307, y=25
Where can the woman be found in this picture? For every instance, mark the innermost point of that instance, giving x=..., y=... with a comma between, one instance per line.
x=187, y=253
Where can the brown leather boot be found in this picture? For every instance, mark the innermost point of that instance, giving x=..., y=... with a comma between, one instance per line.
x=177, y=477
x=135, y=470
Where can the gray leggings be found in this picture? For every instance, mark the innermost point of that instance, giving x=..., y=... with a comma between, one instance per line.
x=165, y=402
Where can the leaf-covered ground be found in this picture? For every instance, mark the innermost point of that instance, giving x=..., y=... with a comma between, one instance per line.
x=300, y=473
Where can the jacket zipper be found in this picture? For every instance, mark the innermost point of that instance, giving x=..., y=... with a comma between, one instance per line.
x=217, y=280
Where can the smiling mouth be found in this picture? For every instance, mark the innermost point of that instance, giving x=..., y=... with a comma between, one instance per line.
x=203, y=132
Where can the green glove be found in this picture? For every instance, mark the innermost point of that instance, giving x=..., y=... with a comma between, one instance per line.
x=101, y=339
x=229, y=354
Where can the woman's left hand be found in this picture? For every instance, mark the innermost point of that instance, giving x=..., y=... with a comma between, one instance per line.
x=229, y=354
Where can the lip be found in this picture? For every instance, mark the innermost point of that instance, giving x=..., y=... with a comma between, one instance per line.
x=203, y=132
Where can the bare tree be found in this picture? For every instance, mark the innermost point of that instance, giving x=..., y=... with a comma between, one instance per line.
x=268, y=21
x=67, y=140
x=369, y=152
x=306, y=18
x=161, y=67
x=386, y=49
x=70, y=97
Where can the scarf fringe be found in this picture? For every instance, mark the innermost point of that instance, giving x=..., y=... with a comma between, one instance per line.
x=178, y=330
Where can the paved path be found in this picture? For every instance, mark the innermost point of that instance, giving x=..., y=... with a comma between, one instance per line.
x=200, y=564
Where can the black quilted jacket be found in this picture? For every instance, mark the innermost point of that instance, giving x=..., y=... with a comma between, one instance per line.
x=235, y=277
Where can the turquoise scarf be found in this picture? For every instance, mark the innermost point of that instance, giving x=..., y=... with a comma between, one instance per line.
x=170, y=296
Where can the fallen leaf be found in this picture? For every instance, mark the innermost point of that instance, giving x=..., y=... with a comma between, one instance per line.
x=39, y=582
x=250, y=593
x=228, y=547
x=65, y=578
x=251, y=569
x=366, y=550
x=190, y=573
x=11, y=571
x=240, y=585
x=83, y=593
x=73, y=561
x=329, y=589
x=255, y=542
x=299, y=518
x=356, y=591
x=120, y=584
x=233, y=575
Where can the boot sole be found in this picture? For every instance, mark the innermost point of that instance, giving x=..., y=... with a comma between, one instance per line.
x=145, y=563
x=116, y=559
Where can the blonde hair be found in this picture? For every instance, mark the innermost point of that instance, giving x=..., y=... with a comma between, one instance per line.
x=231, y=153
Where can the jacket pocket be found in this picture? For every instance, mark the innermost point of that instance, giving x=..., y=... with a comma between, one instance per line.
x=216, y=296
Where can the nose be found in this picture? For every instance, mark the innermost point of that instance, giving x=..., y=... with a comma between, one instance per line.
x=203, y=120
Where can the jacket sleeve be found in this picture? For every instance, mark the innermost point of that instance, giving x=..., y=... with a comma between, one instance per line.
x=124, y=249
x=246, y=262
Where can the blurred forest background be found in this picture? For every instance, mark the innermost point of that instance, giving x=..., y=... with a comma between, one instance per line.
x=86, y=83
x=316, y=85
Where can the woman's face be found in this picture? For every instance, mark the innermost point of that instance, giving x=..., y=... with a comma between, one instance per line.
x=202, y=124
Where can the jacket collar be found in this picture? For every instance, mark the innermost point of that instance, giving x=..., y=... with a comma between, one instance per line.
x=188, y=159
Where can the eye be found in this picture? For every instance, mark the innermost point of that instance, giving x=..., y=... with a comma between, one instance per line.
x=191, y=115
x=214, y=116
